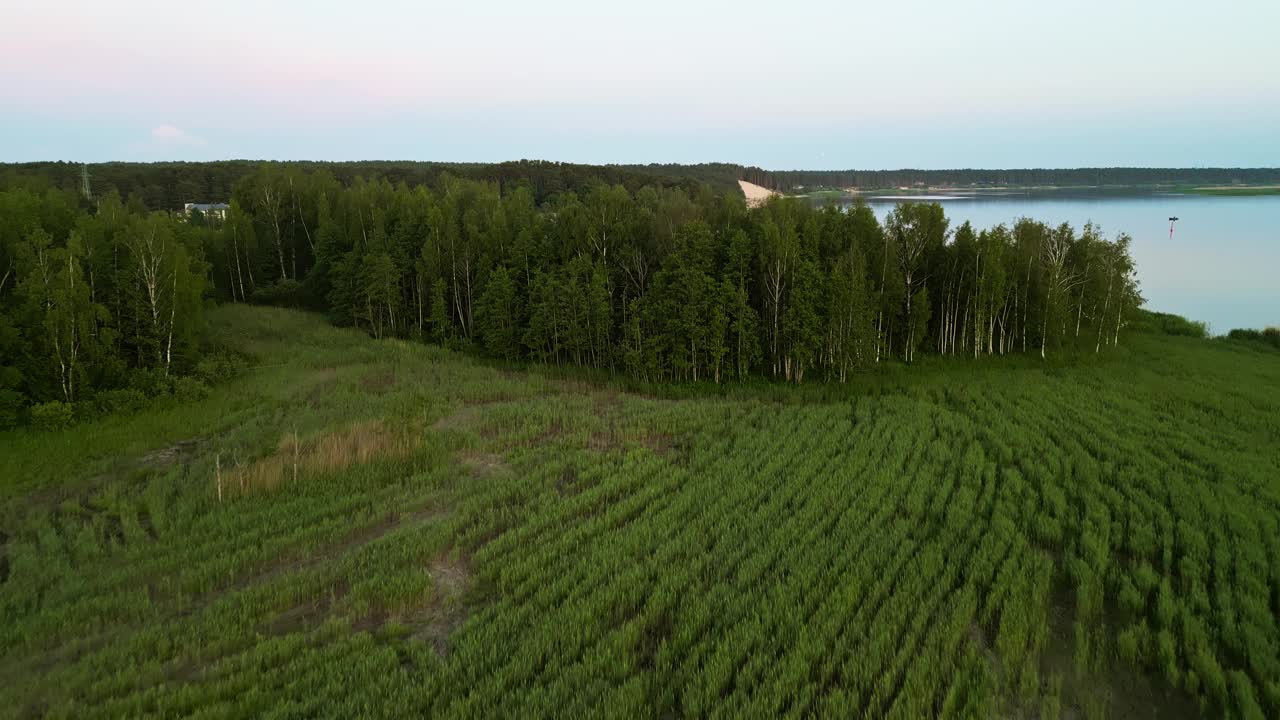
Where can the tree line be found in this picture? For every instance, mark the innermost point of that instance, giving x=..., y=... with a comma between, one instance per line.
x=168, y=185
x=790, y=180
x=664, y=284
x=98, y=304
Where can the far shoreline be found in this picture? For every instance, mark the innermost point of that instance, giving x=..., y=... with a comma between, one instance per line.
x=926, y=192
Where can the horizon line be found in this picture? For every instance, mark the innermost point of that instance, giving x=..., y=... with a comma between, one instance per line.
x=643, y=164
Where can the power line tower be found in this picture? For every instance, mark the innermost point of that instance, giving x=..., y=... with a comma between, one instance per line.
x=84, y=182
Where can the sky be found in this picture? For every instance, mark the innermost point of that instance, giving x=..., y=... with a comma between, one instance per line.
x=814, y=85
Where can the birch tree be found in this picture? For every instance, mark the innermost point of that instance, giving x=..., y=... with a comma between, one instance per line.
x=1059, y=278
x=57, y=295
x=915, y=230
x=163, y=272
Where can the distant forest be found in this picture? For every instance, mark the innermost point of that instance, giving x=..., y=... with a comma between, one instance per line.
x=790, y=180
x=168, y=185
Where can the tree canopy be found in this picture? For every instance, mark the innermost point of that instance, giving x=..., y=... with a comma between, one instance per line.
x=662, y=282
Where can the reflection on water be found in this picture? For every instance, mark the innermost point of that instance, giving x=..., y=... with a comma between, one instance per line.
x=921, y=198
x=1222, y=264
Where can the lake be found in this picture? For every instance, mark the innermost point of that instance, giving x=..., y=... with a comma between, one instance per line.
x=1221, y=266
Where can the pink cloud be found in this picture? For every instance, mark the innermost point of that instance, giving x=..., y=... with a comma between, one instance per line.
x=169, y=135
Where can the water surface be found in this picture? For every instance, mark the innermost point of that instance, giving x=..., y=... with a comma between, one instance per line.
x=1221, y=266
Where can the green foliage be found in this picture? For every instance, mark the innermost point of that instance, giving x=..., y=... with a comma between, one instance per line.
x=120, y=400
x=666, y=283
x=52, y=415
x=1168, y=324
x=218, y=366
x=88, y=296
x=11, y=404
x=1032, y=177
x=439, y=311
x=150, y=382
x=499, y=317
x=189, y=389
x=168, y=185
x=1269, y=336
x=663, y=281
x=949, y=540
x=282, y=293
x=1242, y=190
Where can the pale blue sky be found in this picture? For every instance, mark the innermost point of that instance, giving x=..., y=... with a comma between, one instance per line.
x=821, y=84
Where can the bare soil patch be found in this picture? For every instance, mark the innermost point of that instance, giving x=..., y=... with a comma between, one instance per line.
x=457, y=419
x=1121, y=690
x=451, y=579
x=483, y=464
x=378, y=381
x=1124, y=691
x=164, y=457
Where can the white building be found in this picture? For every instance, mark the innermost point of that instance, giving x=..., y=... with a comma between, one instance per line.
x=209, y=210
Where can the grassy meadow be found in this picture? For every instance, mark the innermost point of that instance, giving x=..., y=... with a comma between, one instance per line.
x=361, y=528
x=1239, y=190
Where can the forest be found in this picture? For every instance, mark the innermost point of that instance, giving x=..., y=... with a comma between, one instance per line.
x=99, y=310
x=791, y=180
x=167, y=185
x=660, y=284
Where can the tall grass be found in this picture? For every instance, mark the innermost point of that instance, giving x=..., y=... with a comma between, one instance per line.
x=419, y=533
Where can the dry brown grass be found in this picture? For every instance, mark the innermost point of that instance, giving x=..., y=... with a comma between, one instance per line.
x=298, y=458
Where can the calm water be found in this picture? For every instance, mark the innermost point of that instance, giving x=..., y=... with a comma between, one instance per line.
x=1222, y=265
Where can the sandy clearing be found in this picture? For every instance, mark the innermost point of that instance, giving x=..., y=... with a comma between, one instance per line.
x=756, y=195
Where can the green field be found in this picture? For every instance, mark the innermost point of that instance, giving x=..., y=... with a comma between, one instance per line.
x=1243, y=190
x=383, y=528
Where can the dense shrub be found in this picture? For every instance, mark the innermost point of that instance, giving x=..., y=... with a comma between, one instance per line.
x=121, y=400
x=189, y=389
x=1169, y=324
x=53, y=415
x=218, y=367
x=1270, y=336
x=285, y=293
x=11, y=403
